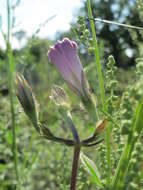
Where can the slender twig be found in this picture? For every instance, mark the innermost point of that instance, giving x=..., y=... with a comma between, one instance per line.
x=10, y=83
x=92, y=144
x=101, y=87
x=116, y=23
x=75, y=167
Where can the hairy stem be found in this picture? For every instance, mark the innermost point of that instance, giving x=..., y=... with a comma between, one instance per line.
x=75, y=167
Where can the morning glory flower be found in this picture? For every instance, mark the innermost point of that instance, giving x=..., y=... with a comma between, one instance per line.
x=65, y=57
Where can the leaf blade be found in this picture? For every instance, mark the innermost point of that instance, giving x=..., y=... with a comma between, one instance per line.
x=92, y=169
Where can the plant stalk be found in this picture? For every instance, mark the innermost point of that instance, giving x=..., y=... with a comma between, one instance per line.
x=121, y=170
x=101, y=88
x=10, y=85
x=75, y=166
x=97, y=57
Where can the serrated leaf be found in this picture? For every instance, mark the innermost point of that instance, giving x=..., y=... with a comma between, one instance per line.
x=92, y=169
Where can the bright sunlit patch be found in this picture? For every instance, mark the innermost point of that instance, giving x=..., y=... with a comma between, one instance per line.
x=30, y=14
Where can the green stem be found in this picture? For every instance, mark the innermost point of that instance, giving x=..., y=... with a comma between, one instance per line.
x=97, y=57
x=122, y=168
x=108, y=151
x=10, y=84
x=75, y=167
x=101, y=87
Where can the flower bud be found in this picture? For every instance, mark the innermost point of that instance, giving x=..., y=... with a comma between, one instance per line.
x=61, y=100
x=59, y=97
x=27, y=100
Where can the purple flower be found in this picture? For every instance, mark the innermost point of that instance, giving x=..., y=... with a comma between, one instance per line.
x=64, y=56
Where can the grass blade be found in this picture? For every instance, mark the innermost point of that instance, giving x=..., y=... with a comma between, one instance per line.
x=92, y=169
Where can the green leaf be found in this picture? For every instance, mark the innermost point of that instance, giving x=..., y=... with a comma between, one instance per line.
x=8, y=137
x=92, y=169
x=138, y=126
